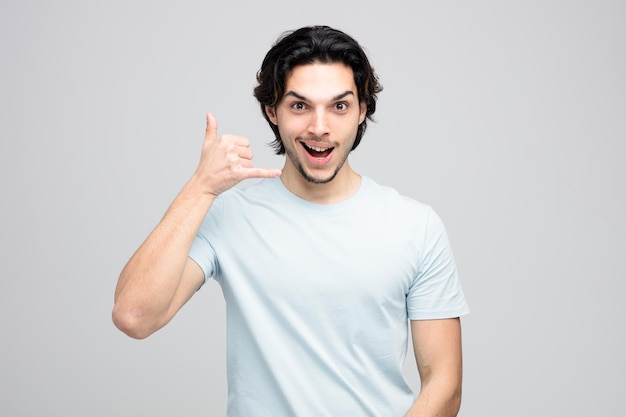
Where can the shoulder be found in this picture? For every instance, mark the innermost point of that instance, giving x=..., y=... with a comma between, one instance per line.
x=237, y=207
x=248, y=193
x=394, y=209
x=393, y=201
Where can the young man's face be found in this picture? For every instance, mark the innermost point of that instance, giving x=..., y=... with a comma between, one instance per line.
x=318, y=119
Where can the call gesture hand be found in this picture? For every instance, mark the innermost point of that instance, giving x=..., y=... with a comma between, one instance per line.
x=226, y=160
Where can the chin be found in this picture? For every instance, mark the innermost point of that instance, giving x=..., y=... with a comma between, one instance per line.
x=317, y=180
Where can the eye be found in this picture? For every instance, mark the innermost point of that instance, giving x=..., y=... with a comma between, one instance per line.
x=341, y=106
x=298, y=105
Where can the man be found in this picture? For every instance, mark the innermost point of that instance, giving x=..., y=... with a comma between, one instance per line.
x=321, y=268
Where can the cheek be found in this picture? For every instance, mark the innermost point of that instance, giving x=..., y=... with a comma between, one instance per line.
x=292, y=126
x=285, y=132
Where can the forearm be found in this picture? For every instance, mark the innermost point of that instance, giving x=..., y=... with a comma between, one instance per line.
x=149, y=281
x=437, y=399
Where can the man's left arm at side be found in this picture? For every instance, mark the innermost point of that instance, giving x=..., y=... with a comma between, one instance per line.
x=438, y=353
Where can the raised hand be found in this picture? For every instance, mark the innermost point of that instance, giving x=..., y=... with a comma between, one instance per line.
x=226, y=160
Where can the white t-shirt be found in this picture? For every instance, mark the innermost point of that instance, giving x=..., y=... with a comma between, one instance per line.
x=318, y=297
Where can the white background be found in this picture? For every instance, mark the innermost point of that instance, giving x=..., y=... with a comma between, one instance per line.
x=507, y=116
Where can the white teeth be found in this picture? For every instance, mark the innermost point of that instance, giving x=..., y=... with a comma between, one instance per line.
x=315, y=148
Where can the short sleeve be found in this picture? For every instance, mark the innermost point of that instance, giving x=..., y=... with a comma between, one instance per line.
x=202, y=251
x=436, y=291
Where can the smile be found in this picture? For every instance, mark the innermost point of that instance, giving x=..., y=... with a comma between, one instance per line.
x=318, y=152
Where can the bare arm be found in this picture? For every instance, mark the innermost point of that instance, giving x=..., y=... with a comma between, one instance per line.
x=160, y=278
x=438, y=352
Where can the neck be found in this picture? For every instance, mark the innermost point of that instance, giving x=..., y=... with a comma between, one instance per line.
x=342, y=187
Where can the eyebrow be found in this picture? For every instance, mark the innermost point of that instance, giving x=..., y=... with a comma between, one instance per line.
x=303, y=98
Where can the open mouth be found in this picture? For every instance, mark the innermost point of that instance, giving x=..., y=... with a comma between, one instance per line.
x=317, y=152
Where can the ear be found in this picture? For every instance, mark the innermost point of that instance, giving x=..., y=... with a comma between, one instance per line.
x=362, y=111
x=271, y=114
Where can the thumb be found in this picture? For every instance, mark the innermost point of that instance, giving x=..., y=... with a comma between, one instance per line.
x=211, y=128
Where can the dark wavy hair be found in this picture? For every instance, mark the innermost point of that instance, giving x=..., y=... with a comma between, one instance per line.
x=309, y=45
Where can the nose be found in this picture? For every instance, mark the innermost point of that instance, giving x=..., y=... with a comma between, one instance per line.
x=319, y=123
